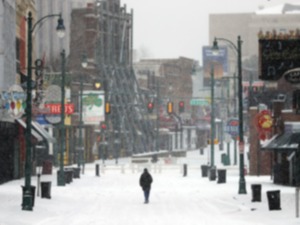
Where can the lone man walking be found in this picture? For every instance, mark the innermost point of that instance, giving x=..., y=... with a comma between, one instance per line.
x=145, y=183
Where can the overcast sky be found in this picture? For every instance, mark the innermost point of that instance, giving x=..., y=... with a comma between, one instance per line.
x=173, y=28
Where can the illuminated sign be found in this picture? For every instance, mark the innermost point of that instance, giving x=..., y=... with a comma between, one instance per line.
x=55, y=108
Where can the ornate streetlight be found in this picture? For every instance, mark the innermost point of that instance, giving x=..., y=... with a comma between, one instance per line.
x=238, y=49
x=61, y=174
x=27, y=193
x=84, y=64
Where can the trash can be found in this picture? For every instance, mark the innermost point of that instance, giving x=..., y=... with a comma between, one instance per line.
x=76, y=172
x=221, y=176
x=68, y=175
x=32, y=191
x=204, y=170
x=274, y=200
x=46, y=189
x=256, y=192
x=224, y=159
x=212, y=173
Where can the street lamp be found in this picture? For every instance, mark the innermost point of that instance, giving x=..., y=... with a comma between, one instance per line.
x=27, y=193
x=157, y=143
x=212, y=119
x=238, y=48
x=84, y=64
x=61, y=174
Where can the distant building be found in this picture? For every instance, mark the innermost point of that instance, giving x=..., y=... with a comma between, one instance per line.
x=282, y=19
x=48, y=45
x=173, y=75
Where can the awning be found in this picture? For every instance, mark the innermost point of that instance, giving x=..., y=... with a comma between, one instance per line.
x=284, y=142
x=33, y=132
x=36, y=126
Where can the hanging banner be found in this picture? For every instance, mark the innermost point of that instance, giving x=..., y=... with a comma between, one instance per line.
x=263, y=122
x=93, y=107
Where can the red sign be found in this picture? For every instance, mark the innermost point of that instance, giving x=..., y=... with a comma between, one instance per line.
x=263, y=122
x=55, y=108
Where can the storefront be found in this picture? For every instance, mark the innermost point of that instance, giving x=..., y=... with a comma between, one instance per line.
x=284, y=147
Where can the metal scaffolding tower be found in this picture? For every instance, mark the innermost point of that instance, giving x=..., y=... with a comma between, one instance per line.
x=127, y=124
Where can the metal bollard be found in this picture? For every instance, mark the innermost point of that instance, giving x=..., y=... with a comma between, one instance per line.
x=184, y=170
x=97, y=170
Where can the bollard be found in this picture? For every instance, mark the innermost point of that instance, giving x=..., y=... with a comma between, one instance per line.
x=97, y=170
x=201, y=151
x=184, y=170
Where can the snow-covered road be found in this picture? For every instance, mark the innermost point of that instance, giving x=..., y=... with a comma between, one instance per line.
x=115, y=198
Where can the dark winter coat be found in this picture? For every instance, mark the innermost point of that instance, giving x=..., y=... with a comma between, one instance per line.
x=146, y=180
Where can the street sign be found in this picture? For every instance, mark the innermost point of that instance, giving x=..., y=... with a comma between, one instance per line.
x=232, y=127
x=201, y=102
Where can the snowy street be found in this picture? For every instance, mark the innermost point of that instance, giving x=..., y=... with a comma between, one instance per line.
x=115, y=198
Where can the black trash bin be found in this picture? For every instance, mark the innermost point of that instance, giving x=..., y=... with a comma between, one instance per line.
x=221, y=176
x=274, y=200
x=204, y=170
x=32, y=191
x=68, y=175
x=212, y=173
x=76, y=172
x=256, y=192
x=46, y=189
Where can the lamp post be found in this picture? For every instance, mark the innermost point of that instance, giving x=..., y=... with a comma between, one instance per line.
x=212, y=118
x=27, y=193
x=61, y=174
x=80, y=160
x=157, y=116
x=242, y=181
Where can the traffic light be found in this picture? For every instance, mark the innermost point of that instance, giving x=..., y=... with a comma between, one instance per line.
x=103, y=126
x=150, y=107
x=170, y=107
x=107, y=108
x=181, y=106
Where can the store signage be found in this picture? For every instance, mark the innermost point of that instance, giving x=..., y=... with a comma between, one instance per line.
x=14, y=101
x=232, y=127
x=276, y=56
x=292, y=76
x=263, y=122
x=55, y=108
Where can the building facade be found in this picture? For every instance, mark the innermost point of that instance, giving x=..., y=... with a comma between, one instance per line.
x=249, y=26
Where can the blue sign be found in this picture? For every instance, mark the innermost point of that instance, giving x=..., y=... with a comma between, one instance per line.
x=41, y=120
x=232, y=127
